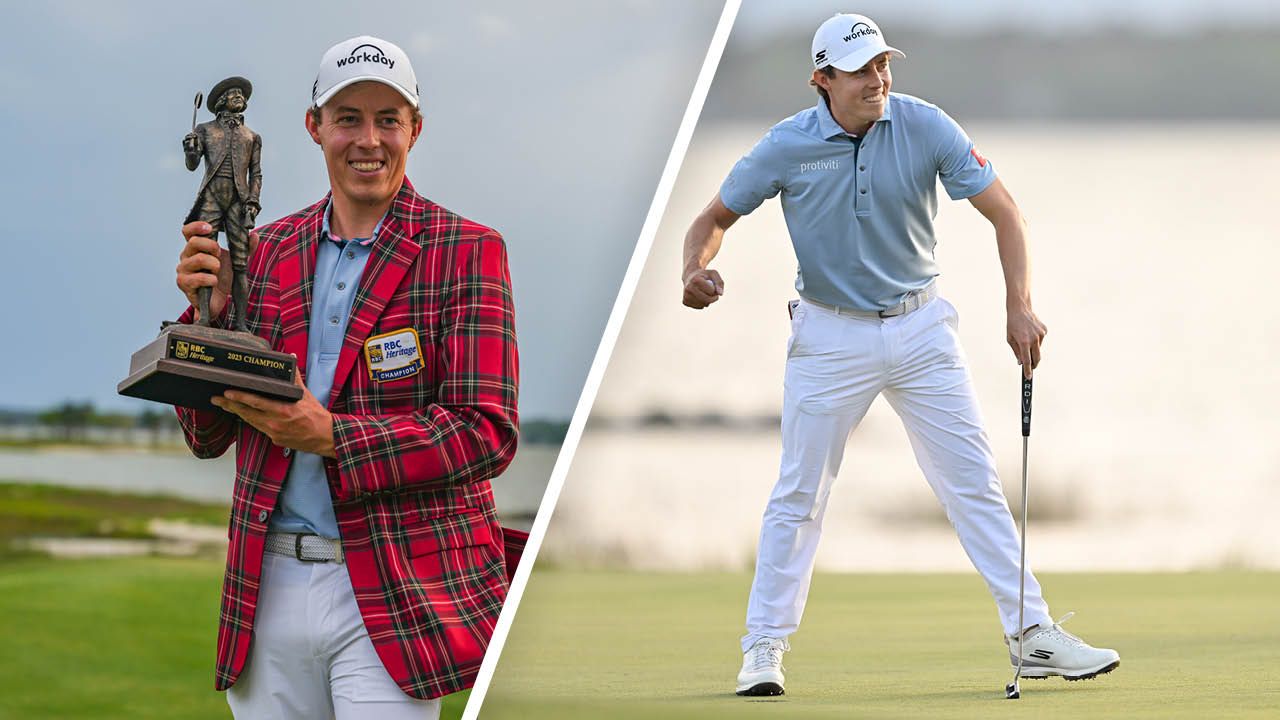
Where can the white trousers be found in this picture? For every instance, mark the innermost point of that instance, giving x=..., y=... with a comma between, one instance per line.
x=836, y=366
x=311, y=656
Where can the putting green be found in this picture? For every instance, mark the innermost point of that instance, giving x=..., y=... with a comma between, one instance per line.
x=633, y=645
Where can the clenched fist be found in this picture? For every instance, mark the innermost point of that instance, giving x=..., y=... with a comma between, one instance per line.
x=702, y=287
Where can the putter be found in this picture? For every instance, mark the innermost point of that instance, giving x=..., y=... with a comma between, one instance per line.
x=1012, y=691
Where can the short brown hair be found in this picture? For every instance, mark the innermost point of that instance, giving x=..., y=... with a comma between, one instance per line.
x=830, y=72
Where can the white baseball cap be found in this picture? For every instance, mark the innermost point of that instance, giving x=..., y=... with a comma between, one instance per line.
x=364, y=58
x=848, y=42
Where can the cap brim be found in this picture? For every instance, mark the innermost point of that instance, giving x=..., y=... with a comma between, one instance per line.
x=328, y=94
x=855, y=60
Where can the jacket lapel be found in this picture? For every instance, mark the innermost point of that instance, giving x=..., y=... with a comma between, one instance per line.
x=297, y=274
x=394, y=251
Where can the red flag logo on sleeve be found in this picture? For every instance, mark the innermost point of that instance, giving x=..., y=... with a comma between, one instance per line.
x=982, y=162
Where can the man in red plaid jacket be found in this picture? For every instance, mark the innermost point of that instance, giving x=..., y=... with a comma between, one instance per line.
x=419, y=415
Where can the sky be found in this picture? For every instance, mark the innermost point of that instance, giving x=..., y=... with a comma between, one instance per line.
x=550, y=122
x=764, y=17
x=1082, y=61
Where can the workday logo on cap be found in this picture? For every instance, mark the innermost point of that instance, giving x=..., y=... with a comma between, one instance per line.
x=364, y=58
x=847, y=42
x=860, y=29
x=367, y=52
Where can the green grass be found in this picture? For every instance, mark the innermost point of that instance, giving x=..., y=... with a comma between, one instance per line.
x=619, y=645
x=33, y=510
x=121, y=638
x=110, y=638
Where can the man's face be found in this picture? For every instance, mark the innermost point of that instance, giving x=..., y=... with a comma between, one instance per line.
x=233, y=100
x=859, y=95
x=365, y=131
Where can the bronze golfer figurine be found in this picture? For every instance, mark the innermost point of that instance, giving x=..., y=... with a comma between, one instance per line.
x=228, y=195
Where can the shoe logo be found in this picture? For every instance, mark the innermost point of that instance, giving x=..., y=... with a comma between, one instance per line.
x=1041, y=654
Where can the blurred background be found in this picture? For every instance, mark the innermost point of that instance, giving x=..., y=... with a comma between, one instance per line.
x=523, y=103
x=519, y=103
x=1140, y=141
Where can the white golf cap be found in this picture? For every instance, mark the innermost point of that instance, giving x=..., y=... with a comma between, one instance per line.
x=364, y=58
x=848, y=42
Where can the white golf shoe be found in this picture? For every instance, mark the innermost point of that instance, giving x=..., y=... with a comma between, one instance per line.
x=761, y=672
x=1053, y=651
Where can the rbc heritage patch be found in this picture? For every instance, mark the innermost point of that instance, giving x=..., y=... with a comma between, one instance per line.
x=393, y=355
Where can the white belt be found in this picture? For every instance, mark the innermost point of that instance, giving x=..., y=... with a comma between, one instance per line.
x=305, y=547
x=913, y=302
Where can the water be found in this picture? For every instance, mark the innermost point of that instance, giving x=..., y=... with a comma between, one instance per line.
x=121, y=470
x=517, y=492
x=1153, y=431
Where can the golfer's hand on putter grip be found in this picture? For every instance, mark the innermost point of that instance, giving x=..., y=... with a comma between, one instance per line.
x=204, y=263
x=1025, y=334
x=702, y=287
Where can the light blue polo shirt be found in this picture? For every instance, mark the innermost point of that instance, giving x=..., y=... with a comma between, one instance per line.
x=305, y=505
x=860, y=210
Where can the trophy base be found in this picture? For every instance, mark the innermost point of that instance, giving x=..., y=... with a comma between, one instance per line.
x=189, y=364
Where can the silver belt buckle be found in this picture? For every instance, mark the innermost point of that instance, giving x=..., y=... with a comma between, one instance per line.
x=911, y=302
x=894, y=311
x=297, y=549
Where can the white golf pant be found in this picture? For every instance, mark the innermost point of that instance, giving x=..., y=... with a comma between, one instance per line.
x=311, y=657
x=836, y=366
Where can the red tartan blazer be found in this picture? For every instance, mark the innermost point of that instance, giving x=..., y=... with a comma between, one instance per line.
x=410, y=485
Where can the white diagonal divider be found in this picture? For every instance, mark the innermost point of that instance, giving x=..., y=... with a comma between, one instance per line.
x=607, y=341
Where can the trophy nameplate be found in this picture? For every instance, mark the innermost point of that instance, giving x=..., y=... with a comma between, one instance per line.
x=189, y=364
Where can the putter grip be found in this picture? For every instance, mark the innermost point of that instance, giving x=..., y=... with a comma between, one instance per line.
x=1026, y=407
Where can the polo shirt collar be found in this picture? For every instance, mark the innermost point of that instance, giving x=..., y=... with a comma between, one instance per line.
x=828, y=126
x=326, y=233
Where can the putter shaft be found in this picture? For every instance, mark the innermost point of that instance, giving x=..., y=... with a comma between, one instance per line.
x=1012, y=691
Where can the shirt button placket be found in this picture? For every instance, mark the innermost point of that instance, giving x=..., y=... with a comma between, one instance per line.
x=862, y=199
x=858, y=180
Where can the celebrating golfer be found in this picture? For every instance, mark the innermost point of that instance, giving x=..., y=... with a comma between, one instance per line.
x=857, y=176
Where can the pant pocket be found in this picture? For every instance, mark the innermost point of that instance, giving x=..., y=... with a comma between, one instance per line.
x=798, y=315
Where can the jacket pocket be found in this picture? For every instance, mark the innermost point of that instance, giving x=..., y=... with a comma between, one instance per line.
x=449, y=544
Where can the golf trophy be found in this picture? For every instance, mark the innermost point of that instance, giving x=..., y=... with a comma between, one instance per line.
x=189, y=364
